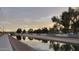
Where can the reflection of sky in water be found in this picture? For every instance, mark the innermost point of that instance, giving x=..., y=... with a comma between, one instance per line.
x=36, y=44
x=39, y=45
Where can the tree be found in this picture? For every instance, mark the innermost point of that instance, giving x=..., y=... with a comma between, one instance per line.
x=44, y=30
x=54, y=30
x=30, y=31
x=67, y=19
x=55, y=19
x=19, y=31
x=75, y=21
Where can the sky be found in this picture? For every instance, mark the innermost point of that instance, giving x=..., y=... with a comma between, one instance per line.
x=12, y=18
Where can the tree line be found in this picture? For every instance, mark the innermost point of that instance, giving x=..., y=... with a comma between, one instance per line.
x=44, y=30
x=68, y=19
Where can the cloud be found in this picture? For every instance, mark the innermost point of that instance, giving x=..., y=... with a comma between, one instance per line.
x=28, y=17
x=4, y=23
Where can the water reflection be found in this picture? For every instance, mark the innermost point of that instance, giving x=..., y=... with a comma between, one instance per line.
x=24, y=37
x=44, y=41
x=30, y=38
x=41, y=44
x=51, y=44
x=18, y=37
x=37, y=43
x=66, y=47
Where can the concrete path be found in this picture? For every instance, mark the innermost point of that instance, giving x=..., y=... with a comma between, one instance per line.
x=8, y=43
x=5, y=44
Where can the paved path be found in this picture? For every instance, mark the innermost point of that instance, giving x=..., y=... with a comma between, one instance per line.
x=5, y=44
x=8, y=43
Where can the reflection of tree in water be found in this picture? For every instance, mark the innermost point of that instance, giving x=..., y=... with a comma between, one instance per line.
x=51, y=44
x=70, y=47
x=45, y=41
x=76, y=47
x=54, y=45
x=64, y=47
x=30, y=38
x=24, y=31
x=19, y=31
x=24, y=37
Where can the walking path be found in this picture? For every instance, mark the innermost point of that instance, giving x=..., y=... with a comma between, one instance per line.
x=8, y=43
x=5, y=44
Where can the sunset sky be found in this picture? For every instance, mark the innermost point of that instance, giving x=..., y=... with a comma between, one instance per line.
x=12, y=18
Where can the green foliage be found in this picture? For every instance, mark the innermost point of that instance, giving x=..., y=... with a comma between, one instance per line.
x=19, y=30
x=30, y=38
x=68, y=18
x=54, y=30
x=30, y=31
x=24, y=31
x=55, y=19
x=43, y=30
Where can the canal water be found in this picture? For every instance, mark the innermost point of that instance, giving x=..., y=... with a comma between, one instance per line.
x=44, y=45
x=38, y=44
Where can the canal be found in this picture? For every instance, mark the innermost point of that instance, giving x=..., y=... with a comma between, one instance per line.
x=39, y=44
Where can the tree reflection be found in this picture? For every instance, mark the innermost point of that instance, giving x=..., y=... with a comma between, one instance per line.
x=66, y=47
x=24, y=31
x=56, y=46
x=76, y=47
x=51, y=44
x=45, y=41
x=19, y=31
x=30, y=38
